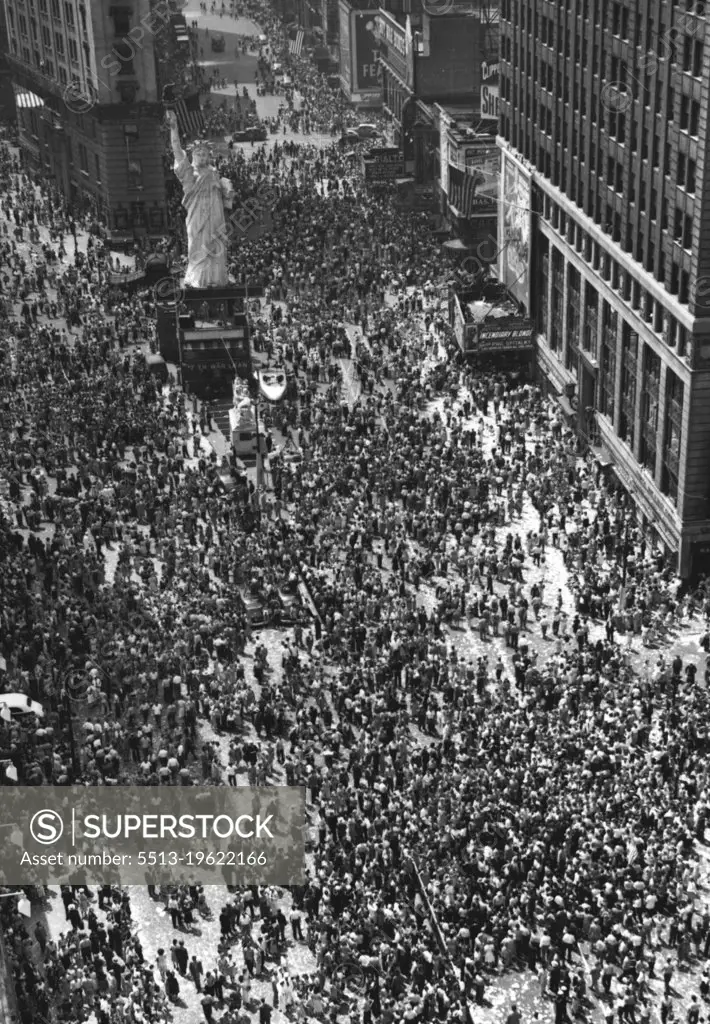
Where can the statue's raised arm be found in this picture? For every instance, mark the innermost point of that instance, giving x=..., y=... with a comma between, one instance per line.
x=178, y=152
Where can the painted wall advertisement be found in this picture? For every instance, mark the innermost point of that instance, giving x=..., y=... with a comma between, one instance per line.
x=489, y=91
x=514, y=230
x=346, y=73
x=365, y=51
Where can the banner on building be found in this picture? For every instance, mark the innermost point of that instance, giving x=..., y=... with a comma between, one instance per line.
x=346, y=71
x=444, y=155
x=514, y=230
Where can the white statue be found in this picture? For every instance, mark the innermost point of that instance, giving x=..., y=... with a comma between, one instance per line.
x=205, y=199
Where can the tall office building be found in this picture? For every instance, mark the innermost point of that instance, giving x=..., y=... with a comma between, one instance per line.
x=604, y=204
x=88, y=105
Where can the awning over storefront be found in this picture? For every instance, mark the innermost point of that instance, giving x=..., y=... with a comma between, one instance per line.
x=602, y=455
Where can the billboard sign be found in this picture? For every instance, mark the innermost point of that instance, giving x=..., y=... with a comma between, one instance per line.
x=514, y=230
x=346, y=73
x=489, y=91
x=365, y=51
x=503, y=334
x=383, y=164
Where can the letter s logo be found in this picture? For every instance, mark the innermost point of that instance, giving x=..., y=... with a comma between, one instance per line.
x=46, y=827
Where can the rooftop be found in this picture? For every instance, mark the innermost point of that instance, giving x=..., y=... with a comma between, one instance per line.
x=477, y=312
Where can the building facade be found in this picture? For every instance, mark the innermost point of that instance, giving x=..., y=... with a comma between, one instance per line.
x=604, y=139
x=89, y=109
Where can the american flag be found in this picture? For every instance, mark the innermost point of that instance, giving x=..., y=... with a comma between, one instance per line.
x=189, y=115
x=467, y=190
x=296, y=45
x=25, y=100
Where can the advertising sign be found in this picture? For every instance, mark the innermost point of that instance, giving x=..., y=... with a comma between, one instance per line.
x=514, y=223
x=383, y=164
x=346, y=74
x=489, y=91
x=503, y=334
x=365, y=69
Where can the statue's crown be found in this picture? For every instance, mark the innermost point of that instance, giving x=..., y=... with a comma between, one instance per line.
x=201, y=146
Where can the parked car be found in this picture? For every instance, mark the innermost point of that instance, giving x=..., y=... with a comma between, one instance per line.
x=218, y=43
x=367, y=131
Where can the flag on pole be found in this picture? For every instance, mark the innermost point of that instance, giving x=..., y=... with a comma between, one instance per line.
x=296, y=45
x=189, y=116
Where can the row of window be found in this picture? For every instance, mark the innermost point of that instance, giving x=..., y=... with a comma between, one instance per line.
x=624, y=283
x=678, y=44
x=56, y=11
x=635, y=235
x=605, y=348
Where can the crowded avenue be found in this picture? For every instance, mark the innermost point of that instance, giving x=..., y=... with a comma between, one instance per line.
x=438, y=615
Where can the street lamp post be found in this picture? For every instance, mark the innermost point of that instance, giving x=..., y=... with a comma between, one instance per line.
x=66, y=702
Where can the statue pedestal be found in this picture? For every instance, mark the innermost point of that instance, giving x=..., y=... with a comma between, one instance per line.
x=207, y=334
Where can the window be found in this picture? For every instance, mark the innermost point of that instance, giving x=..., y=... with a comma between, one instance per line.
x=69, y=14
x=556, y=319
x=673, y=430
x=124, y=52
x=697, y=58
x=687, y=232
x=543, y=280
x=573, y=319
x=629, y=370
x=687, y=53
x=56, y=13
x=649, y=408
x=59, y=43
x=73, y=51
x=121, y=20
x=591, y=318
x=690, y=180
x=97, y=168
x=682, y=169
x=83, y=158
x=608, y=361
x=694, y=118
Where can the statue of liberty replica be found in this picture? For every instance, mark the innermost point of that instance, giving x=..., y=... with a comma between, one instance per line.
x=206, y=196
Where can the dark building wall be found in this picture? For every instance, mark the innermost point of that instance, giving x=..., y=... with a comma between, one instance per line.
x=122, y=155
x=7, y=93
x=452, y=71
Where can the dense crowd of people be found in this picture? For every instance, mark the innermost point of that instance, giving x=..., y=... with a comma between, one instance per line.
x=497, y=774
